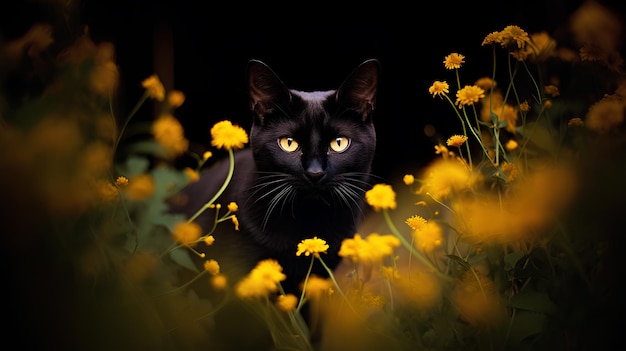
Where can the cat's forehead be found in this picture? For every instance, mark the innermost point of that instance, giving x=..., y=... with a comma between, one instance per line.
x=312, y=96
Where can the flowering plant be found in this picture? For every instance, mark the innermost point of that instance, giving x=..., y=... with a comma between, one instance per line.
x=504, y=241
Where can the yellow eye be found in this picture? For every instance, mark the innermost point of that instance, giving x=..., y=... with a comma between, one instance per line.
x=288, y=144
x=340, y=144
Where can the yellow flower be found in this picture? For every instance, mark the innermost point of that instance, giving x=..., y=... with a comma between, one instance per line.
x=551, y=90
x=507, y=113
x=510, y=171
x=408, y=179
x=232, y=207
x=175, y=98
x=428, y=237
x=140, y=187
x=511, y=145
x=445, y=176
x=154, y=87
x=486, y=83
x=219, y=281
x=187, y=233
x=469, y=95
x=524, y=106
x=228, y=136
x=478, y=301
x=454, y=60
x=381, y=197
x=212, y=266
x=575, y=122
x=169, y=133
x=606, y=115
x=206, y=155
x=514, y=36
x=193, y=175
x=456, y=140
x=262, y=280
x=316, y=287
x=313, y=247
x=235, y=221
x=373, y=249
x=492, y=38
x=439, y=88
x=287, y=302
x=209, y=240
x=415, y=222
x=107, y=192
x=121, y=181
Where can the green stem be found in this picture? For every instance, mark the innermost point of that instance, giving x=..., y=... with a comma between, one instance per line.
x=139, y=103
x=229, y=176
x=405, y=243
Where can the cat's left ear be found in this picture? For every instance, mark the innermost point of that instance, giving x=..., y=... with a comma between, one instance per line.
x=358, y=91
x=265, y=88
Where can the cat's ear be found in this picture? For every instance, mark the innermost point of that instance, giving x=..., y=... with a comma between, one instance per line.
x=265, y=88
x=358, y=91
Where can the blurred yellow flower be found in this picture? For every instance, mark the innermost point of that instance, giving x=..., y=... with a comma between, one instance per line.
x=369, y=250
x=606, y=115
x=219, y=281
x=227, y=136
x=262, y=280
x=212, y=266
x=192, y=174
x=511, y=145
x=154, y=87
x=381, y=197
x=175, y=98
x=486, y=83
x=408, y=179
x=107, y=192
x=169, y=133
x=478, y=301
x=507, y=113
x=454, y=60
x=469, y=95
x=551, y=90
x=439, y=88
x=428, y=237
x=445, y=176
x=287, y=302
x=316, y=287
x=140, y=187
x=187, y=233
x=313, y=247
x=421, y=288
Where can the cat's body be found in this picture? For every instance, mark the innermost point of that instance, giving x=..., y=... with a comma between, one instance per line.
x=303, y=176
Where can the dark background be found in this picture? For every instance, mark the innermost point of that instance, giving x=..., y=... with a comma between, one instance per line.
x=202, y=48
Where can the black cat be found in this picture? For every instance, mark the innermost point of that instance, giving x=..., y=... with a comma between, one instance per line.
x=304, y=174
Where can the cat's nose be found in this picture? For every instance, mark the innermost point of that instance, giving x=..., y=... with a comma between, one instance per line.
x=314, y=171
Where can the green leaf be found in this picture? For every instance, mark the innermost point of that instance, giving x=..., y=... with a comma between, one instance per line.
x=459, y=260
x=183, y=258
x=510, y=260
x=535, y=301
x=525, y=324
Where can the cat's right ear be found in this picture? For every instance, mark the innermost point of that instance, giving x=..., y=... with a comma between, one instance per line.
x=265, y=88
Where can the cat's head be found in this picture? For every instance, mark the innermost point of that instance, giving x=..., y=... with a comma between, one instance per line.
x=314, y=137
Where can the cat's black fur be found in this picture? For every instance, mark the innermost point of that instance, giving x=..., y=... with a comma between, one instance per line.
x=283, y=196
